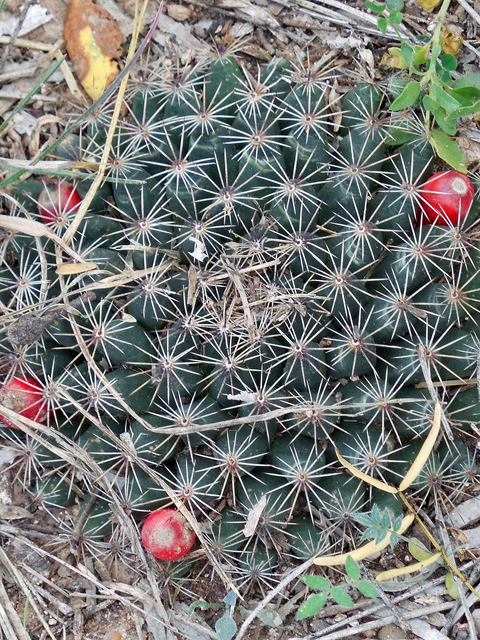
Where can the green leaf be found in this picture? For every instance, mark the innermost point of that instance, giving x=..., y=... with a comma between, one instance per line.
x=396, y=17
x=230, y=599
x=382, y=25
x=376, y=515
x=317, y=582
x=370, y=532
x=421, y=54
x=466, y=95
x=381, y=535
x=225, y=627
x=395, y=5
x=447, y=126
x=367, y=589
x=467, y=80
x=407, y=52
x=341, y=597
x=385, y=519
x=429, y=104
x=376, y=7
x=445, y=100
x=445, y=76
x=363, y=518
x=447, y=149
x=201, y=604
x=464, y=111
x=270, y=617
x=407, y=98
x=449, y=62
x=418, y=550
x=352, y=568
x=397, y=523
x=436, y=51
x=451, y=586
x=311, y=606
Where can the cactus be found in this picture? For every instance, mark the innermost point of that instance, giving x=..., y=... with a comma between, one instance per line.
x=261, y=289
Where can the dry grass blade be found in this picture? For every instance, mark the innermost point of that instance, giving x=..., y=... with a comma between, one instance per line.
x=10, y=621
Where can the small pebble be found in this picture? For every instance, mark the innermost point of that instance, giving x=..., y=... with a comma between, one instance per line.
x=203, y=28
x=178, y=12
x=391, y=632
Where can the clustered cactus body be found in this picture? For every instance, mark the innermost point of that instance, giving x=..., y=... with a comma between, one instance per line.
x=261, y=291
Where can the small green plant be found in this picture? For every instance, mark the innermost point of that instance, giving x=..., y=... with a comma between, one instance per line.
x=226, y=626
x=379, y=524
x=316, y=601
x=444, y=100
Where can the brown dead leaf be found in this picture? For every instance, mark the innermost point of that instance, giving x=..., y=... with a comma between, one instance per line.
x=452, y=39
x=93, y=44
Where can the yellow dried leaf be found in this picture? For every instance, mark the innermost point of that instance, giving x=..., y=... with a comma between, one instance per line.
x=452, y=40
x=73, y=268
x=393, y=573
x=429, y=5
x=393, y=58
x=417, y=465
x=93, y=44
x=363, y=476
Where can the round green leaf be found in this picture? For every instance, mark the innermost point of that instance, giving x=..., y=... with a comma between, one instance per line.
x=376, y=7
x=449, y=62
x=396, y=17
x=395, y=5
x=341, y=597
x=270, y=617
x=225, y=627
x=382, y=25
x=311, y=606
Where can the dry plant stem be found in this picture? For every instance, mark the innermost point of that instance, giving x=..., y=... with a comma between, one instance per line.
x=108, y=590
x=9, y=618
x=459, y=582
x=456, y=613
x=451, y=566
x=469, y=9
x=21, y=584
x=432, y=389
x=132, y=55
x=396, y=614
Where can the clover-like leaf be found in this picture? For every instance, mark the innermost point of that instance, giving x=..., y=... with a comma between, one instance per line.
x=352, y=568
x=341, y=597
x=317, y=582
x=311, y=606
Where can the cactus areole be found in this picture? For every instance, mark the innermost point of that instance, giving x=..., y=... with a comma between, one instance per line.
x=446, y=198
x=167, y=535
